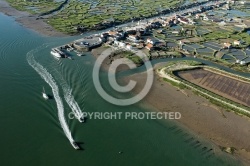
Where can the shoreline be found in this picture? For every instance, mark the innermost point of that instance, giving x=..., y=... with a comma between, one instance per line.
x=29, y=21
x=202, y=118
x=33, y=22
x=199, y=116
x=222, y=131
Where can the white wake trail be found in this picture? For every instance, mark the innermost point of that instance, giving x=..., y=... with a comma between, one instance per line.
x=49, y=79
x=71, y=102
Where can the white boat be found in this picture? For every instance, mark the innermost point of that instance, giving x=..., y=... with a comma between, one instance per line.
x=74, y=144
x=79, y=54
x=55, y=53
x=81, y=120
x=69, y=57
x=45, y=96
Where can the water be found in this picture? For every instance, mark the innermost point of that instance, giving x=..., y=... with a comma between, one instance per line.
x=49, y=79
x=37, y=132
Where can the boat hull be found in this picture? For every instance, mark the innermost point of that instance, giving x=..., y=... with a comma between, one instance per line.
x=45, y=96
x=56, y=54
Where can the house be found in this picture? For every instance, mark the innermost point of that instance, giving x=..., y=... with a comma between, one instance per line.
x=175, y=32
x=145, y=31
x=222, y=23
x=102, y=39
x=119, y=44
x=149, y=46
x=181, y=42
x=242, y=62
x=244, y=3
x=205, y=18
x=134, y=38
x=131, y=32
x=191, y=22
x=151, y=41
x=122, y=45
x=160, y=31
x=237, y=42
x=197, y=16
x=175, y=21
x=227, y=45
x=104, y=35
x=231, y=1
x=112, y=33
x=156, y=24
x=183, y=20
x=128, y=47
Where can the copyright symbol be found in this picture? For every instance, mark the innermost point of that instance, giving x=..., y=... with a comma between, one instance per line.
x=115, y=85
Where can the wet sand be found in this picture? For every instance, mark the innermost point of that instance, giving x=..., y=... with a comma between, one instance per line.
x=199, y=116
x=225, y=129
x=29, y=21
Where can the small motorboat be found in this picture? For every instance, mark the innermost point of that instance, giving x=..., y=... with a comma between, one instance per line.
x=74, y=144
x=81, y=119
x=45, y=96
x=79, y=54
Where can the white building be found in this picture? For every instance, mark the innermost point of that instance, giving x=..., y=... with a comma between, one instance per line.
x=242, y=62
x=150, y=41
x=236, y=42
x=129, y=47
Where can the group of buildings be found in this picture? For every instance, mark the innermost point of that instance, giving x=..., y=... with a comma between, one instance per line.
x=139, y=36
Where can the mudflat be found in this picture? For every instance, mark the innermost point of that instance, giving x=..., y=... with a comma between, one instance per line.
x=223, y=128
x=29, y=21
x=230, y=88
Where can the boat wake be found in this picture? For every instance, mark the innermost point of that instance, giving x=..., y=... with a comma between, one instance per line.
x=72, y=103
x=50, y=80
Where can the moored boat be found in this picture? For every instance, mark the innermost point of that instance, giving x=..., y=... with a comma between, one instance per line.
x=79, y=54
x=55, y=53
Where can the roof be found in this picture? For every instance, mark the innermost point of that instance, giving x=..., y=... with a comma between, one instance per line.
x=183, y=19
x=227, y=44
x=149, y=45
x=113, y=32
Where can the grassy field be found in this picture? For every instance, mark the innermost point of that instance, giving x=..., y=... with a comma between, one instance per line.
x=34, y=7
x=90, y=14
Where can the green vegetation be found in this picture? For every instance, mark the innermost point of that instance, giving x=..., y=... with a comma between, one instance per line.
x=91, y=14
x=131, y=56
x=181, y=86
x=182, y=62
x=171, y=68
x=215, y=35
x=34, y=7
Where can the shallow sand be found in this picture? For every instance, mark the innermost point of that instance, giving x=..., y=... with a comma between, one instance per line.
x=29, y=21
x=213, y=123
x=208, y=121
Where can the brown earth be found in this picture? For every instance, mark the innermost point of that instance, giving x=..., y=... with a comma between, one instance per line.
x=29, y=21
x=224, y=129
x=230, y=88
